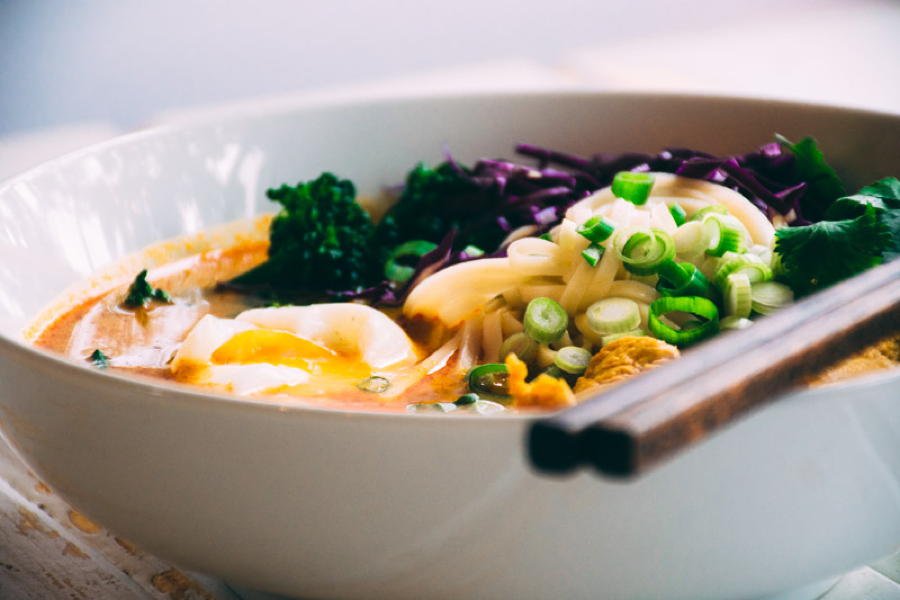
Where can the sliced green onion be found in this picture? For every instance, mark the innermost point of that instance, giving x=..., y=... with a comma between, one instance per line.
x=473, y=251
x=572, y=359
x=374, y=384
x=596, y=229
x=692, y=239
x=467, y=399
x=413, y=249
x=750, y=265
x=712, y=209
x=731, y=235
x=592, y=254
x=644, y=250
x=521, y=345
x=633, y=187
x=695, y=305
x=737, y=295
x=606, y=339
x=678, y=214
x=492, y=378
x=683, y=279
x=546, y=236
x=734, y=322
x=769, y=296
x=613, y=315
x=545, y=320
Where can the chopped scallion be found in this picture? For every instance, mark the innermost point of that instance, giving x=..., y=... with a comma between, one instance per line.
x=734, y=322
x=467, y=399
x=769, y=296
x=545, y=320
x=374, y=384
x=521, y=345
x=712, y=209
x=683, y=279
x=749, y=264
x=592, y=254
x=572, y=359
x=695, y=305
x=737, y=295
x=414, y=249
x=473, y=251
x=596, y=229
x=613, y=315
x=644, y=250
x=492, y=379
x=731, y=235
x=678, y=214
x=606, y=339
x=633, y=187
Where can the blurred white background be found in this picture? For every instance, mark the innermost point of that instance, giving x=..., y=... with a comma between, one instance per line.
x=76, y=70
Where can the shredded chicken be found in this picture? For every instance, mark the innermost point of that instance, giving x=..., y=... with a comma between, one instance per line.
x=544, y=391
x=624, y=358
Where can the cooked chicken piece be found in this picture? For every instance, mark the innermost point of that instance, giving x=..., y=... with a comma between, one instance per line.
x=544, y=391
x=624, y=358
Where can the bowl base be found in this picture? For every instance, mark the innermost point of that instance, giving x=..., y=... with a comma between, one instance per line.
x=811, y=591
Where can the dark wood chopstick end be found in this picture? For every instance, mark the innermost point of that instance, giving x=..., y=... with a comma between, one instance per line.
x=552, y=449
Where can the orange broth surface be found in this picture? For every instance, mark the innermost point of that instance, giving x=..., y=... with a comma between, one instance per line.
x=143, y=341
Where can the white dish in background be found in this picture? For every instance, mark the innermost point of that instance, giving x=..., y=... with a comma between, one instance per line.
x=340, y=504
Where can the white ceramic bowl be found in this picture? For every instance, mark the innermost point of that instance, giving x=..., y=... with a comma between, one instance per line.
x=337, y=504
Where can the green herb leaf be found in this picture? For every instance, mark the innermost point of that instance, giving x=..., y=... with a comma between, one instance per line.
x=884, y=197
x=99, y=359
x=824, y=185
x=140, y=292
x=821, y=254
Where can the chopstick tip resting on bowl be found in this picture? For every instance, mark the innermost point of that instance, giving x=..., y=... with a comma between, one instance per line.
x=627, y=430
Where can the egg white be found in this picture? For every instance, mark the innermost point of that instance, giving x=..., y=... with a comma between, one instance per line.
x=360, y=337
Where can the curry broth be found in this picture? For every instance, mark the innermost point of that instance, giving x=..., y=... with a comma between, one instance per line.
x=143, y=341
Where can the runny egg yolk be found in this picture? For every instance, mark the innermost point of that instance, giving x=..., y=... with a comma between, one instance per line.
x=267, y=346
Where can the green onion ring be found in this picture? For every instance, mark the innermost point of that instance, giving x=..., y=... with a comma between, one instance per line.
x=491, y=379
x=701, y=307
x=415, y=248
x=644, y=250
x=545, y=320
x=633, y=187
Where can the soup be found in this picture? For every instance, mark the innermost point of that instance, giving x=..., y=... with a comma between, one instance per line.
x=482, y=290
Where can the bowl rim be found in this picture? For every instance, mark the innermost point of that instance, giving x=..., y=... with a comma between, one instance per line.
x=271, y=107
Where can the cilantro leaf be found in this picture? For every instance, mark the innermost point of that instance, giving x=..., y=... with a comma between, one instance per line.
x=824, y=185
x=884, y=197
x=99, y=359
x=140, y=292
x=818, y=255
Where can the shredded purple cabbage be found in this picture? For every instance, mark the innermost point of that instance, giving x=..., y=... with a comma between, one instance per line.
x=539, y=195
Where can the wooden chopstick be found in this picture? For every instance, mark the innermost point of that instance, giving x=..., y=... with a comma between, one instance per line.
x=632, y=427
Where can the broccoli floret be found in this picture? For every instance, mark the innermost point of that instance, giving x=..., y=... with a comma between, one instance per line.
x=319, y=240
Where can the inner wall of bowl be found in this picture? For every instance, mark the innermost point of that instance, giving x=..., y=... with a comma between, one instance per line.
x=64, y=220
